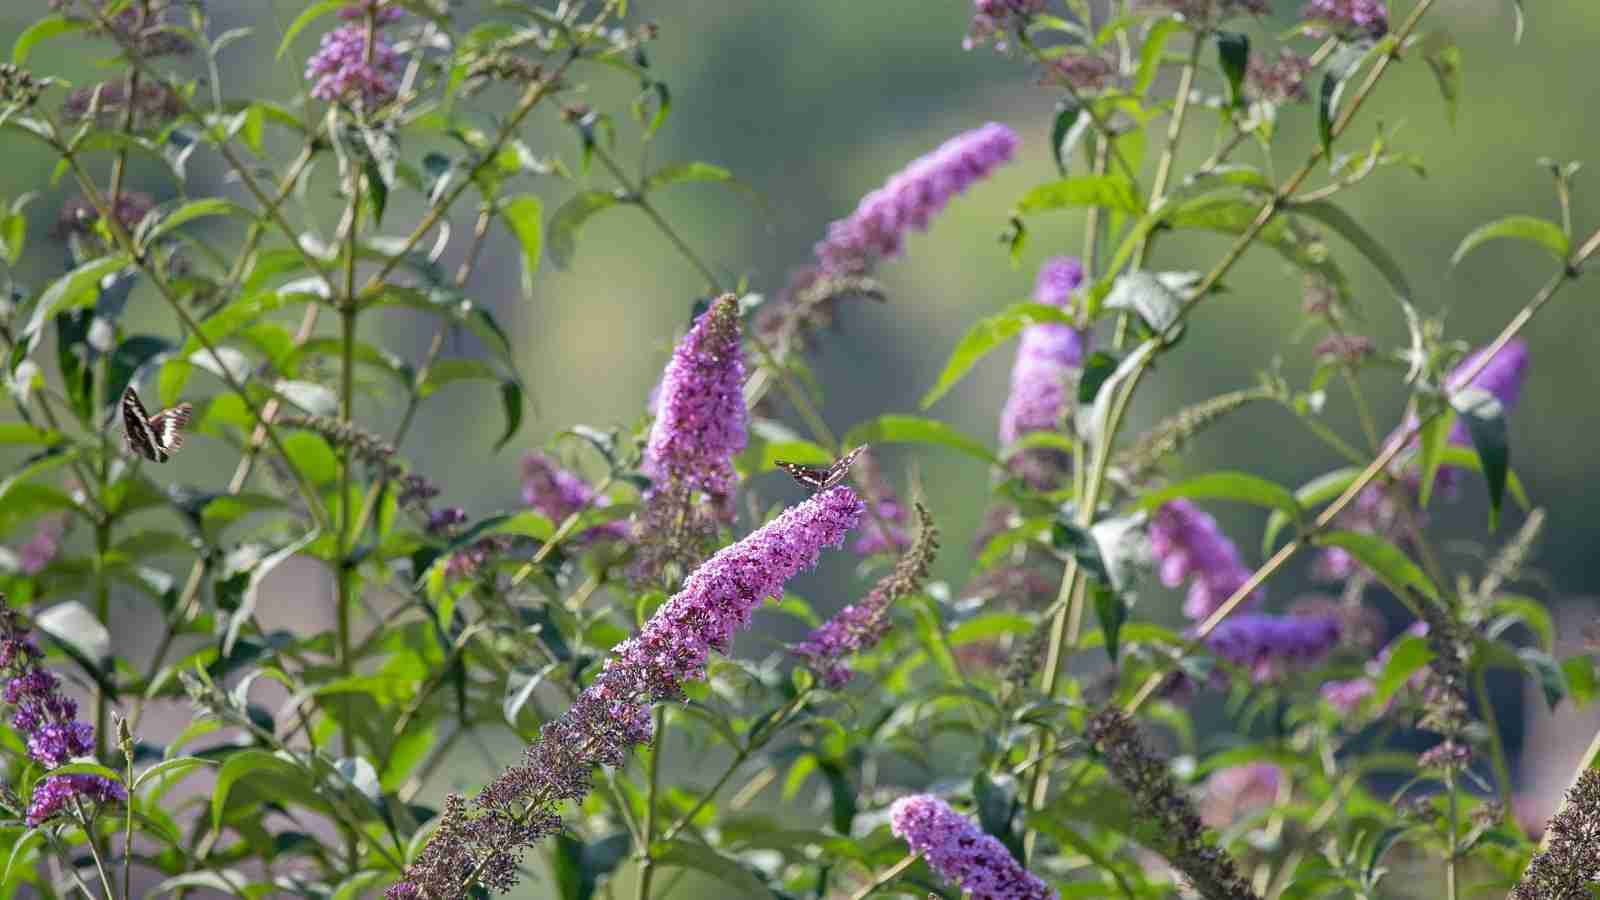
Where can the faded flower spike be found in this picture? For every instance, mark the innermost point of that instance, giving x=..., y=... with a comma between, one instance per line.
x=961, y=853
x=481, y=842
x=911, y=199
x=859, y=626
x=1188, y=544
x=1570, y=865
x=1349, y=18
x=994, y=19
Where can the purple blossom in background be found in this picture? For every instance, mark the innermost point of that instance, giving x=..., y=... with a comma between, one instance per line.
x=1280, y=81
x=885, y=531
x=1188, y=544
x=1084, y=71
x=1501, y=377
x=558, y=493
x=48, y=723
x=43, y=547
x=612, y=715
x=961, y=852
x=1347, y=696
x=1266, y=644
x=341, y=67
x=700, y=411
x=911, y=198
x=1048, y=357
x=996, y=17
x=1349, y=17
x=852, y=629
x=1237, y=791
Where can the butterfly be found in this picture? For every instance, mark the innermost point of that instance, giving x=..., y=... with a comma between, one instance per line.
x=154, y=437
x=820, y=478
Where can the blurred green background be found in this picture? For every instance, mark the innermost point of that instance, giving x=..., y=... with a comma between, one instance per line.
x=812, y=104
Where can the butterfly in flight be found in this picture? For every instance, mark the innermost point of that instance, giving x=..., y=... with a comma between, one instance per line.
x=154, y=437
x=820, y=478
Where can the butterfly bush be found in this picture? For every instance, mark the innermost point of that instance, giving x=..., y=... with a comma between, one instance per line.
x=877, y=229
x=961, y=853
x=396, y=622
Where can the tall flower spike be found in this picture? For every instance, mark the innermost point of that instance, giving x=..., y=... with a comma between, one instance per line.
x=345, y=68
x=1048, y=359
x=1570, y=864
x=612, y=715
x=1188, y=544
x=859, y=626
x=1267, y=645
x=700, y=411
x=961, y=853
x=912, y=198
x=49, y=726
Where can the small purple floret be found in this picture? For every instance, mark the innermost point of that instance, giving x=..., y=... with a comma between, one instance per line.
x=961, y=853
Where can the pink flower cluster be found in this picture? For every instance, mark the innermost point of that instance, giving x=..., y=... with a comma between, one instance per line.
x=342, y=67
x=1347, y=696
x=911, y=198
x=997, y=17
x=1189, y=545
x=612, y=715
x=700, y=410
x=1349, y=17
x=558, y=493
x=961, y=853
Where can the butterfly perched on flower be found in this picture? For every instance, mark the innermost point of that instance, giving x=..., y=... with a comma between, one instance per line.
x=154, y=437
x=820, y=478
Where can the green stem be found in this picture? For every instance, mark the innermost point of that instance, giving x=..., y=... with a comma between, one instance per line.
x=886, y=877
x=1455, y=839
x=1497, y=746
x=647, y=865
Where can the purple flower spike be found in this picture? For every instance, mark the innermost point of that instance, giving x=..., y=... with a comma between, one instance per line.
x=961, y=853
x=1349, y=17
x=612, y=715
x=1188, y=544
x=912, y=198
x=47, y=720
x=1048, y=356
x=342, y=67
x=700, y=411
x=1266, y=645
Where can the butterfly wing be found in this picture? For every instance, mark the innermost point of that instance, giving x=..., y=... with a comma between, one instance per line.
x=136, y=431
x=811, y=477
x=168, y=426
x=841, y=468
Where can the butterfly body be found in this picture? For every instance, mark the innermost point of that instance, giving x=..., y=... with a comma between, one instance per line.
x=820, y=478
x=155, y=437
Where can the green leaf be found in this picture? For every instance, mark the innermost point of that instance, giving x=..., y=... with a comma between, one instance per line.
x=23, y=433
x=1241, y=487
x=88, y=768
x=13, y=236
x=1486, y=422
x=1233, y=52
x=1510, y=609
x=1112, y=612
x=525, y=215
x=1096, y=369
x=1466, y=458
x=1543, y=666
x=900, y=429
x=1067, y=113
x=169, y=767
x=1444, y=58
x=729, y=871
x=1110, y=191
x=1516, y=9
x=1579, y=672
x=251, y=777
x=684, y=173
x=1545, y=233
x=18, y=849
x=1389, y=562
x=258, y=573
x=1344, y=64
x=316, y=399
x=564, y=225
x=76, y=289
x=1313, y=493
x=306, y=17
x=1406, y=656
x=1381, y=847
x=1150, y=54
x=984, y=336
x=310, y=454
x=195, y=209
x=1348, y=228
x=1147, y=295
x=1435, y=437
x=42, y=30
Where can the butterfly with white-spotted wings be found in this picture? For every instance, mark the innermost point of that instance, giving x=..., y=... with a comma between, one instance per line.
x=155, y=437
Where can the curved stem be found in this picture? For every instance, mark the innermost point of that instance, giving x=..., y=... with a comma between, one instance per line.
x=647, y=865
